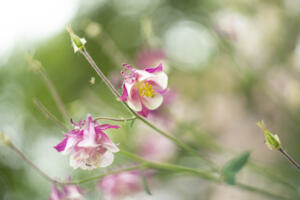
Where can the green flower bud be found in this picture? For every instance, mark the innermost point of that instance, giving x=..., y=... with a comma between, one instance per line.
x=4, y=139
x=272, y=141
x=33, y=64
x=77, y=42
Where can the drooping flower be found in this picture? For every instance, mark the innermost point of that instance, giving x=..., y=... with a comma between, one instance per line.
x=68, y=192
x=90, y=146
x=121, y=184
x=143, y=89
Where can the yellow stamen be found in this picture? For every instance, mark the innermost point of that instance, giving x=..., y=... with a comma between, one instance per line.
x=146, y=90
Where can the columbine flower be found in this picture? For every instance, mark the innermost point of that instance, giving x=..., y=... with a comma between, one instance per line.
x=90, y=146
x=121, y=184
x=70, y=192
x=143, y=89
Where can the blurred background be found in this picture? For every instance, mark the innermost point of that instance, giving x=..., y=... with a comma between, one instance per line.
x=230, y=64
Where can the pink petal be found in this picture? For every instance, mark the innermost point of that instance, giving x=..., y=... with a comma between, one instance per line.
x=134, y=101
x=89, y=135
x=73, y=192
x=124, y=94
x=103, y=127
x=144, y=112
x=162, y=92
x=56, y=194
x=62, y=145
x=159, y=68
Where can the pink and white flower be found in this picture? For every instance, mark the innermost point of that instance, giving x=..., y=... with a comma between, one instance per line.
x=121, y=184
x=90, y=146
x=143, y=89
x=68, y=192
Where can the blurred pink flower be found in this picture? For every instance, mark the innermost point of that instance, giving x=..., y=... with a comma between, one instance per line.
x=155, y=147
x=143, y=89
x=91, y=147
x=149, y=57
x=120, y=184
x=68, y=192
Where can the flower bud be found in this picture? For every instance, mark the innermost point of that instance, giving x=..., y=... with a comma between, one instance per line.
x=77, y=42
x=34, y=65
x=5, y=140
x=272, y=141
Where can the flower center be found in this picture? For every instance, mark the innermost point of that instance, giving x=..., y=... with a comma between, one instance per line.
x=146, y=90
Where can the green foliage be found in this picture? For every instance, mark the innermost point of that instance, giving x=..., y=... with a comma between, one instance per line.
x=232, y=167
x=145, y=183
x=131, y=123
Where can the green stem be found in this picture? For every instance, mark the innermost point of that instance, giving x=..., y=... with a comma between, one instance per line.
x=261, y=191
x=31, y=164
x=49, y=115
x=203, y=174
x=115, y=119
x=289, y=158
x=168, y=167
x=176, y=141
x=36, y=66
x=54, y=94
x=117, y=95
x=103, y=175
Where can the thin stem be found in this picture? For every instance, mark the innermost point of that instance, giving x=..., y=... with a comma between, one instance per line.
x=260, y=191
x=289, y=158
x=176, y=141
x=266, y=172
x=49, y=115
x=103, y=175
x=31, y=164
x=272, y=176
x=100, y=73
x=117, y=95
x=169, y=167
x=115, y=119
x=54, y=94
x=203, y=174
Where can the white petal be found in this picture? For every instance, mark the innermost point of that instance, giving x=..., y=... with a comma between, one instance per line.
x=154, y=102
x=160, y=78
x=143, y=75
x=133, y=100
x=107, y=159
x=111, y=147
x=135, y=105
x=74, y=162
x=129, y=87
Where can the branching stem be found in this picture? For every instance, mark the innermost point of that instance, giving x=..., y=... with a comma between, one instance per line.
x=158, y=130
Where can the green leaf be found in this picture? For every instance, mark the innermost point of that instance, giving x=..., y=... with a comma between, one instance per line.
x=232, y=167
x=144, y=182
x=131, y=123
